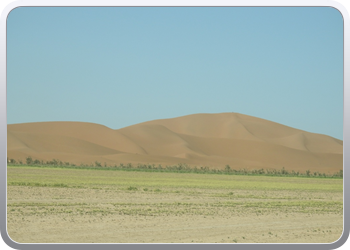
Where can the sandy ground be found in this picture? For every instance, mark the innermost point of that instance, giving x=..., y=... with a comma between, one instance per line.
x=212, y=140
x=115, y=215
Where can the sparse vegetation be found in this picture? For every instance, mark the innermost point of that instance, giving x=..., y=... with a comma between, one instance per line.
x=179, y=168
x=50, y=198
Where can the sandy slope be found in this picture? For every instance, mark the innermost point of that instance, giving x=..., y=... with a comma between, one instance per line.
x=202, y=139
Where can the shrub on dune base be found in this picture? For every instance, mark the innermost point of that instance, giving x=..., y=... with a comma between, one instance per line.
x=180, y=168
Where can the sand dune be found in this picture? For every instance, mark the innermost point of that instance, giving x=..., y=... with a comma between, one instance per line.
x=202, y=139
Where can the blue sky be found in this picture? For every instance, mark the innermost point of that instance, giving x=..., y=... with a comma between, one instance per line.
x=122, y=66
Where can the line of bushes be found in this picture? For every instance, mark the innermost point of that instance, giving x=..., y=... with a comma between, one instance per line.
x=179, y=168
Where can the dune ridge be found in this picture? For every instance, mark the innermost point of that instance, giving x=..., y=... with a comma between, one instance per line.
x=213, y=140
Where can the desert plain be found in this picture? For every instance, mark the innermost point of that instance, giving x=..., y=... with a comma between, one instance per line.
x=72, y=203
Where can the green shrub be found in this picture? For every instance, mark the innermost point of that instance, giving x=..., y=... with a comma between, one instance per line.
x=29, y=160
x=36, y=162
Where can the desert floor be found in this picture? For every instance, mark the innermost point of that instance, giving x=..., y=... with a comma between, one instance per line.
x=74, y=206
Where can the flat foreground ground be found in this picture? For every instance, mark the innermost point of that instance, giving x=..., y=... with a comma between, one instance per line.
x=82, y=206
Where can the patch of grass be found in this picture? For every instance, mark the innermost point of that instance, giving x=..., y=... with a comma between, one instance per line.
x=147, y=209
x=36, y=184
x=192, y=194
x=65, y=177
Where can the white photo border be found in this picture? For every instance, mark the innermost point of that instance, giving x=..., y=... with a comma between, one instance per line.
x=173, y=3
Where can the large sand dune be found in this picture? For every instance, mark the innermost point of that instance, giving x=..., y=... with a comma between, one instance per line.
x=212, y=140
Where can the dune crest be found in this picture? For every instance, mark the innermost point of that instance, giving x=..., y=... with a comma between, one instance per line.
x=213, y=140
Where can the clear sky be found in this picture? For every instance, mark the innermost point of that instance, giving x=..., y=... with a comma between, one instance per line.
x=122, y=66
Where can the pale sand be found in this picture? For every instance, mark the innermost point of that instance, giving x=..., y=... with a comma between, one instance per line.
x=112, y=215
x=212, y=140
